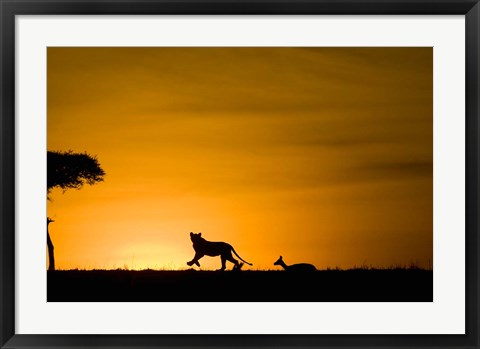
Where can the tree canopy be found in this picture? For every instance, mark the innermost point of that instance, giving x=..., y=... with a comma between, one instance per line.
x=69, y=170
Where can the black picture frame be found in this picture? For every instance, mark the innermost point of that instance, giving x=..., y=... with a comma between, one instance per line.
x=10, y=8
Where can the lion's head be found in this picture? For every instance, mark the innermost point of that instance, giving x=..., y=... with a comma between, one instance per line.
x=196, y=237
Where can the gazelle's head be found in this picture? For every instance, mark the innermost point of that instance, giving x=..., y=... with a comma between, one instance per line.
x=279, y=261
x=49, y=220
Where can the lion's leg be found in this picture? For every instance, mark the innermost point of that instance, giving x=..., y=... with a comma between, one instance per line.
x=237, y=265
x=195, y=259
x=224, y=262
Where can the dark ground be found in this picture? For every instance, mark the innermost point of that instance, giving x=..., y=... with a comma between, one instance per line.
x=395, y=285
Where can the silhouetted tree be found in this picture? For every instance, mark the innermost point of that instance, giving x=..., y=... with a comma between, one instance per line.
x=69, y=170
x=51, y=256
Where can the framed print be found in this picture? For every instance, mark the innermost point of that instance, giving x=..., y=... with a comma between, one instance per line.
x=296, y=174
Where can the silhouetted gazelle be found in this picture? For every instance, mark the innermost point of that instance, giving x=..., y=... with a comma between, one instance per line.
x=295, y=267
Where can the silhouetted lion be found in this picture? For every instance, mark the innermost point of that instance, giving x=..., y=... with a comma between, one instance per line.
x=203, y=247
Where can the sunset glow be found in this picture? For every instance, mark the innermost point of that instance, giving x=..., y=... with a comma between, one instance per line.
x=321, y=155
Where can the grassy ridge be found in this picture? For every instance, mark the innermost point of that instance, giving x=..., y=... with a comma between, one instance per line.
x=359, y=285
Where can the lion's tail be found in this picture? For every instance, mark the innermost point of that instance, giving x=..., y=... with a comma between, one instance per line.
x=236, y=254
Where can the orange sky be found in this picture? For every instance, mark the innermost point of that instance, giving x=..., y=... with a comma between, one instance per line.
x=321, y=155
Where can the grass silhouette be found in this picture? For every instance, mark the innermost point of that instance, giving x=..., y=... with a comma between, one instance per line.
x=358, y=284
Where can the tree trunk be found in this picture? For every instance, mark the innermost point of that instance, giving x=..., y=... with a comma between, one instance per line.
x=51, y=257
